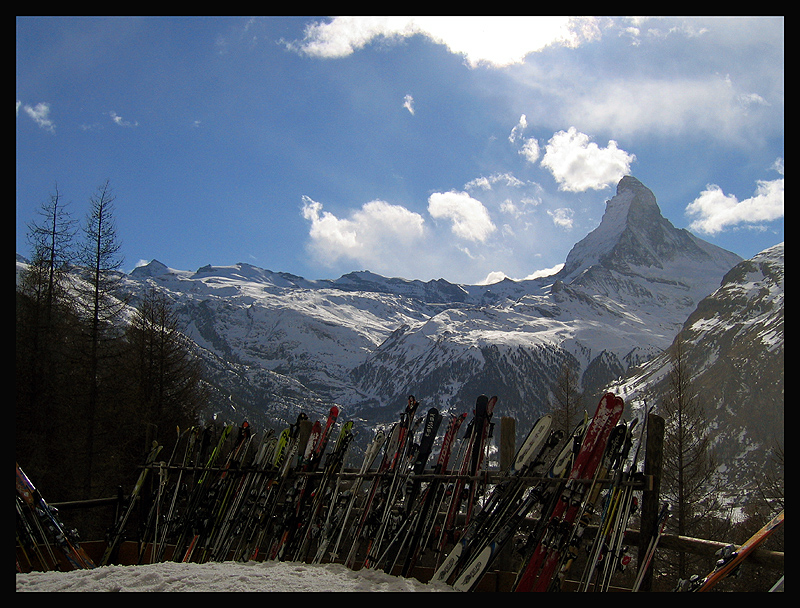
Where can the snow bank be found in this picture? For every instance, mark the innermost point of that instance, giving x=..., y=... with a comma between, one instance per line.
x=226, y=576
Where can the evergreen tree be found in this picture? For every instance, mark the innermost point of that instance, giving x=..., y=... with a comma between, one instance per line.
x=100, y=260
x=51, y=241
x=45, y=336
x=567, y=404
x=690, y=481
x=167, y=383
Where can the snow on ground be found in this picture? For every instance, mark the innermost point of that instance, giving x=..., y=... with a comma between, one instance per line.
x=226, y=576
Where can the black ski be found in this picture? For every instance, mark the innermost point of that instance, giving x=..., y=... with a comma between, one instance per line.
x=49, y=520
x=502, y=498
x=425, y=515
x=119, y=527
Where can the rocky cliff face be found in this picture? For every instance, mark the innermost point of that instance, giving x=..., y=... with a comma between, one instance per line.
x=636, y=255
x=733, y=345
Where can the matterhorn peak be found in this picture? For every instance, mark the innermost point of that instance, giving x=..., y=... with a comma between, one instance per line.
x=635, y=241
x=637, y=202
x=628, y=182
x=632, y=209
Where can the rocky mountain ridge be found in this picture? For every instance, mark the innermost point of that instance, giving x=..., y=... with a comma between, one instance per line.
x=365, y=341
x=733, y=347
x=274, y=343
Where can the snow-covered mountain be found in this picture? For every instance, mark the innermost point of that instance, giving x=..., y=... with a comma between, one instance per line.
x=621, y=297
x=733, y=346
x=275, y=342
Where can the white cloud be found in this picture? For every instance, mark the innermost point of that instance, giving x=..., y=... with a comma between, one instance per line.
x=408, y=103
x=694, y=104
x=517, y=209
x=118, y=120
x=371, y=235
x=40, y=113
x=545, y=272
x=482, y=182
x=670, y=85
x=497, y=41
x=487, y=183
x=470, y=218
x=516, y=132
x=751, y=99
x=530, y=147
x=493, y=277
x=498, y=275
x=578, y=164
x=716, y=211
x=510, y=207
x=530, y=150
x=562, y=217
x=342, y=36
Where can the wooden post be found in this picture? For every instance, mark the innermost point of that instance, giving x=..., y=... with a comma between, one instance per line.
x=508, y=440
x=653, y=461
x=508, y=449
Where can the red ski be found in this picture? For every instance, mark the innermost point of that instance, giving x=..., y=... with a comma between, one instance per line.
x=735, y=557
x=542, y=564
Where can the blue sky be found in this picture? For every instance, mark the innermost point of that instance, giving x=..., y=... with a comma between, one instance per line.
x=460, y=148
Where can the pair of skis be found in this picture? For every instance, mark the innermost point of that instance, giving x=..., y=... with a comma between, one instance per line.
x=382, y=482
x=118, y=530
x=540, y=569
x=46, y=519
x=323, y=493
x=370, y=456
x=423, y=514
x=478, y=536
x=401, y=503
x=732, y=558
x=660, y=526
x=216, y=498
x=594, y=505
x=304, y=487
x=606, y=555
x=266, y=503
x=200, y=497
x=476, y=437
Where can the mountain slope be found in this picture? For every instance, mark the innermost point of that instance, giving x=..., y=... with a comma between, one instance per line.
x=365, y=341
x=275, y=342
x=620, y=299
x=733, y=344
